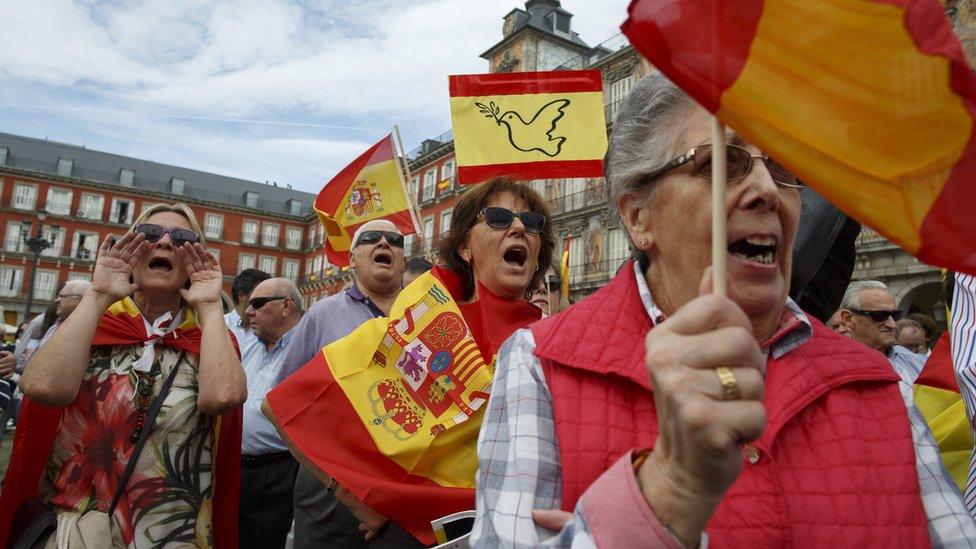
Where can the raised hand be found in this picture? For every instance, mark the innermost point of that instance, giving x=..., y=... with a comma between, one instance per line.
x=702, y=420
x=114, y=264
x=205, y=276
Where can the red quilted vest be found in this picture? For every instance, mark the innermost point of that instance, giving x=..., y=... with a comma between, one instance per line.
x=836, y=463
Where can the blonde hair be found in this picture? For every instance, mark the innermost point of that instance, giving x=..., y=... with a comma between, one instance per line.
x=178, y=208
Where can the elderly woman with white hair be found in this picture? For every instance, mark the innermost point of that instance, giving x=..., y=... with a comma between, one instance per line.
x=655, y=412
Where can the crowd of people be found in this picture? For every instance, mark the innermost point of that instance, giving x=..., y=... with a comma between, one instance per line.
x=651, y=413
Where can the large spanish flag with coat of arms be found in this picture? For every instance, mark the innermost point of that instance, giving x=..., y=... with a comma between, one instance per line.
x=871, y=102
x=369, y=188
x=402, y=398
x=528, y=125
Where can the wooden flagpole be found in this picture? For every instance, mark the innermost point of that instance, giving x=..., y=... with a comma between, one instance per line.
x=719, y=215
x=404, y=178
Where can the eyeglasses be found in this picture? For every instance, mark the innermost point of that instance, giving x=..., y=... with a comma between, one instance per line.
x=372, y=237
x=878, y=316
x=258, y=302
x=502, y=218
x=179, y=236
x=738, y=165
x=554, y=283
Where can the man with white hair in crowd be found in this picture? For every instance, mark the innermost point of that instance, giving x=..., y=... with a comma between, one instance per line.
x=868, y=310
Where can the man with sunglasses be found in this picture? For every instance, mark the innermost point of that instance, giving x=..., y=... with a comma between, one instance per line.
x=267, y=468
x=869, y=312
x=377, y=260
x=240, y=292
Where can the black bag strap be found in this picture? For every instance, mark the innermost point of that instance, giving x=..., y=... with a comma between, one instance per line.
x=144, y=435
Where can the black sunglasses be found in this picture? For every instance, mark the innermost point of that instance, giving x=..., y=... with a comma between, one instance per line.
x=554, y=283
x=372, y=237
x=738, y=165
x=258, y=302
x=878, y=316
x=502, y=218
x=179, y=236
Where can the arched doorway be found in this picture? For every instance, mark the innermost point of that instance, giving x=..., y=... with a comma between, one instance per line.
x=926, y=298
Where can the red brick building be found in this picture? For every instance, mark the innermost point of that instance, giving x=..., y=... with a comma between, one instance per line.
x=87, y=194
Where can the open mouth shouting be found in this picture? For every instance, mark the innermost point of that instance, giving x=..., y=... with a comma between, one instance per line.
x=160, y=265
x=758, y=250
x=515, y=256
x=383, y=257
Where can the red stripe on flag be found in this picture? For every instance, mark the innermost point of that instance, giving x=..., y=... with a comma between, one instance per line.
x=471, y=175
x=938, y=371
x=689, y=49
x=513, y=83
x=309, y=403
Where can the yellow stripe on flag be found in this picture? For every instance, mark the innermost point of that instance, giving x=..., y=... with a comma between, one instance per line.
x=946, y=415
x=889, y=120
x=527, y=128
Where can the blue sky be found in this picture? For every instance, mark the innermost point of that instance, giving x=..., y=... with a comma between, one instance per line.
x=275, y=90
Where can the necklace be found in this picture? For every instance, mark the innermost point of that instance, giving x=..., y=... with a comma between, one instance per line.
x=145, y=381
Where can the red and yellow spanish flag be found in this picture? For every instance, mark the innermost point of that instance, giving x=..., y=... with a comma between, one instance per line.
x=937, y=398
x=37, y=427
x=528, y=125
x=403, y=398
x=564, y=268
x=369, y=188
x=869, y=101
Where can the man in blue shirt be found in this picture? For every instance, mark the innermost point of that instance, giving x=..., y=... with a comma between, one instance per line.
x=240, y=291
x=267, y=470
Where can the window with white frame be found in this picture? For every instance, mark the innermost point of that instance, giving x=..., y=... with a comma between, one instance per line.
x=146, y=205
x=25, y=196
x=57, y=238
x=91, y=206
x=84, y=245
x=176, y=185
x=3, y=156
x=308, y=267
x=448, y=169
x=317, y=264
x=295, y=207
x=269, y=264
x=213, y=225
x=79, y=276
x=408, y=241
x=11, y=281
x=289, y=269
x=251, y=199
x=446, y=216
x=574, y=191
x=122, y=211
x=414, y=187
x=64, y=166
x=13, y=240
x=293, y=238
x=311, y=235
x=58, y=201
x=127, y=177
x=617, y=248
x=249, y=232
x=245, y=261
x=576, y=261
x=44, y=285
x=428, y=232
x=615, y=96
x=430, y=180
x=269, y=234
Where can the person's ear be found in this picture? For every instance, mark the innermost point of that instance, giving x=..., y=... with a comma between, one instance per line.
x=464, y=251
x=637, y=221
x=847, y=318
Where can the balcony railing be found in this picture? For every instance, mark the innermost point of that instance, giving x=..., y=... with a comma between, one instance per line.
x=593, y=195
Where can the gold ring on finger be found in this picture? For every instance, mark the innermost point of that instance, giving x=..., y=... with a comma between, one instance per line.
x=730, y=386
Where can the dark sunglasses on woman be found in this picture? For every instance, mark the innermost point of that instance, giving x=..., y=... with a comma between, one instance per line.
x=738, y=165
x=372, y=237
x=502, y=218
x=179, y=236
x=554, y=283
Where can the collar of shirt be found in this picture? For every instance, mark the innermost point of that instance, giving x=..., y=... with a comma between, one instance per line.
x=235, y=318
x=281, y=343
x=355, y=293
x=794, y=327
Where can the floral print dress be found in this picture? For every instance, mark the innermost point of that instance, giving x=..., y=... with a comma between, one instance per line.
x=167, y=498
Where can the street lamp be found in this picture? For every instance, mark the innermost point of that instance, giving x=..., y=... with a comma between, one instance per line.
x=36, y=245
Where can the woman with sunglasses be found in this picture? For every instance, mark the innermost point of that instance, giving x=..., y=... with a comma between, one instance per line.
x=547, y=295
x=153, y=310
x=656, y=412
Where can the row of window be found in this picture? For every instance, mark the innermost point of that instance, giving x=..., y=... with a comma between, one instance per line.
x=431, y=181
x=91, y=207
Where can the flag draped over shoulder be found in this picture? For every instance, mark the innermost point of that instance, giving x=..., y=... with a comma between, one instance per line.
x=528, y=125
x=937, y=398
x=37, y=427
x=871, y=102
x=369, y=188
x=402, y=398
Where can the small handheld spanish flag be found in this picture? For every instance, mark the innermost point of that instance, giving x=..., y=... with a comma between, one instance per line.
x=564, y=267
x=528, y=125
x=871, y=102
x=369, y=188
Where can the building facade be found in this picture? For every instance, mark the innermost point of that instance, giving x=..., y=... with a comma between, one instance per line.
x=84, y=195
